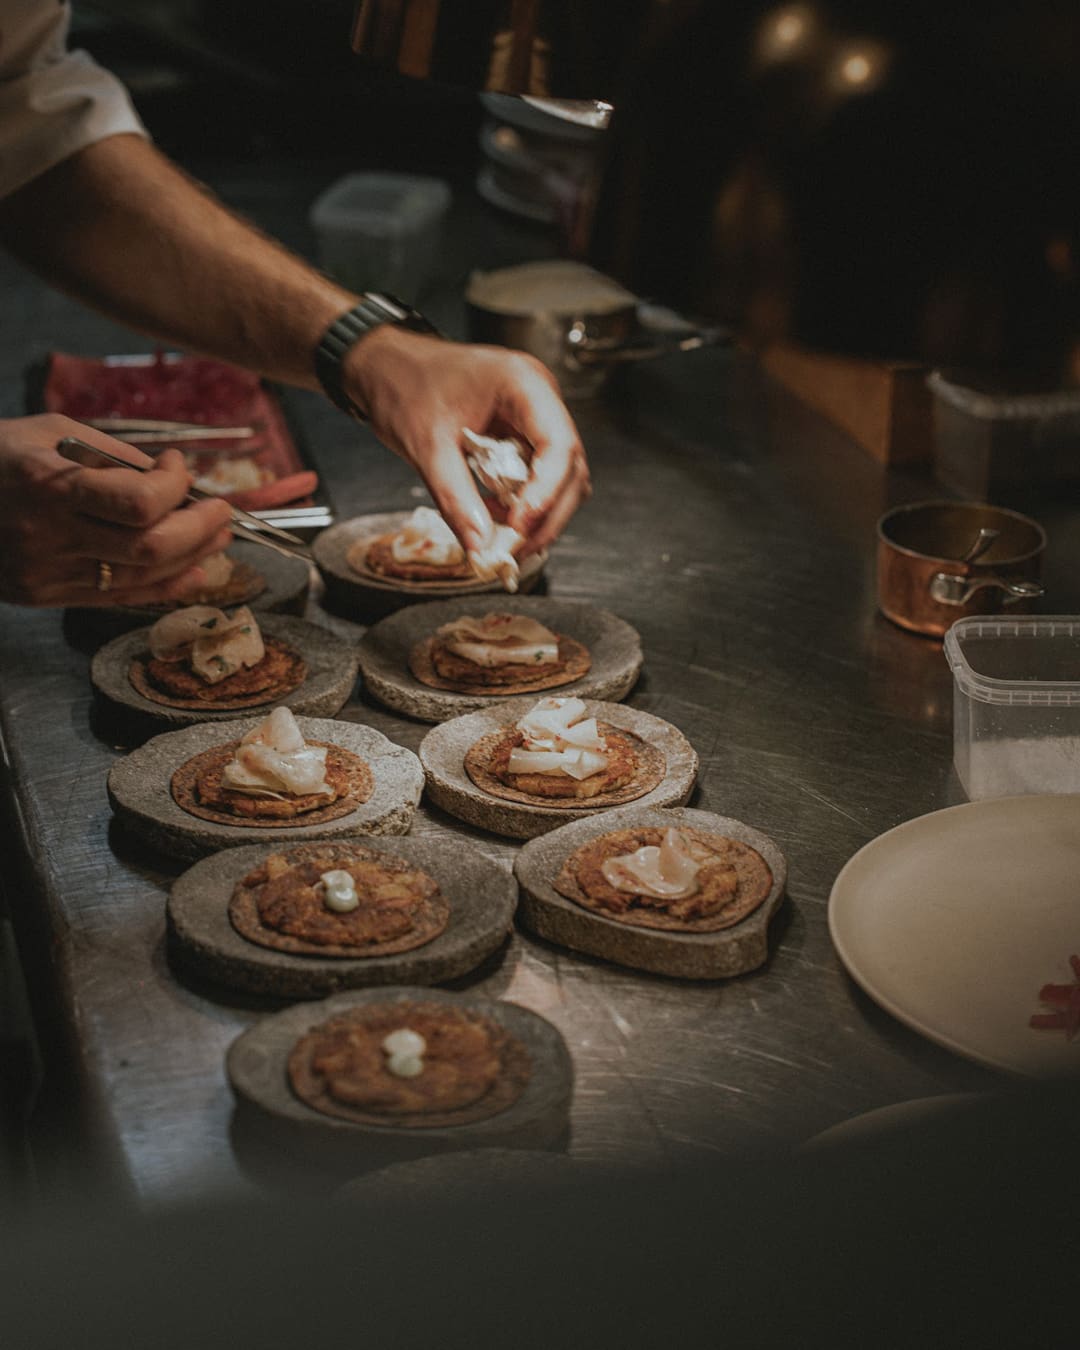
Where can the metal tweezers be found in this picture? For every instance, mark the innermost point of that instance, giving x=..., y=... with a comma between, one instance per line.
x=149, y=431
x=244, y=525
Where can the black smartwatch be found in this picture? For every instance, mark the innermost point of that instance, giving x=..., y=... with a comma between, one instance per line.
x=375, y=309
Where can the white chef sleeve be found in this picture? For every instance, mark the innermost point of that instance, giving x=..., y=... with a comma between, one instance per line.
x=52, y=102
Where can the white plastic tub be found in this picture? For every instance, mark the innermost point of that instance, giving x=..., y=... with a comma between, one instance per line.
x=1016, y=704
x=381, y=231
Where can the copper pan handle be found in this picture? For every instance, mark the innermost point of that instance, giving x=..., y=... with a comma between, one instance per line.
x=949, y=589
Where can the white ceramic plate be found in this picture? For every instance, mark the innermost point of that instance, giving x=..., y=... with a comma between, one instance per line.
x=953, y=921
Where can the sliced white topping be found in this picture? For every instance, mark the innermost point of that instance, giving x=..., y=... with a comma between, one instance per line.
x=426, y=538
x=300, y=773
x=339, y=891
x=496, y=627
x=227, y=648
x=496, y=654
x=500, y=465
x=665, y=871
x=404, y=1050
x=583, y=735
x=559, y=739
x=217, y=644
x=172, y=636
x=499, y=640
x=496, y=557
x=545, y=725
x=567, y=763
x=280, y=731
x=272, y=760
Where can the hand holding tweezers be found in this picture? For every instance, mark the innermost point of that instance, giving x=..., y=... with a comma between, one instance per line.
x=243, y=524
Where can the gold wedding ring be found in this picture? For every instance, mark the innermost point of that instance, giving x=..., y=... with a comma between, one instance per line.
x=104, y=577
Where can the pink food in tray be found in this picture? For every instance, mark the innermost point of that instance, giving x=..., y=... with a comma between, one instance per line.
x=194, y=389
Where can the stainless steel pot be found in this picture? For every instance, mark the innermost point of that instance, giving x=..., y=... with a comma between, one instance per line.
x=580, y=323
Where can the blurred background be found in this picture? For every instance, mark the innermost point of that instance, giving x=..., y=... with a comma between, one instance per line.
x=876, y=178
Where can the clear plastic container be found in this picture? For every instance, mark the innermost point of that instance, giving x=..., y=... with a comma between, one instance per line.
x=381, y=231
x=1016, y=704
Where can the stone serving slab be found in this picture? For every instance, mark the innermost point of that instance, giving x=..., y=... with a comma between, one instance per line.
x=140, y=795
x=615, y=649
x=481, y=894
x=443, y=750
x=364, y=597
x=256, y=1067
x=288, y=581
x=688, y=956
x=331, y=674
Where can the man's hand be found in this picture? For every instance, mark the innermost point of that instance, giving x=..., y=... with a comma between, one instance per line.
x=420, y=392
x=59, y=521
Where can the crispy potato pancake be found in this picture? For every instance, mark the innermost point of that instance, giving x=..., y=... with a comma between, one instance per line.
x=733, y=881
x=176, y=685
x=375, y=557
x=280, y=904
x=472, y=1067
x=434, y=665
x=197, y=789
x=635, y=768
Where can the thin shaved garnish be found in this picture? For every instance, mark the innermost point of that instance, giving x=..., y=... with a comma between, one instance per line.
x=1064, y=999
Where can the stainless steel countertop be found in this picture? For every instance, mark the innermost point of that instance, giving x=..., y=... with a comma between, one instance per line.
x=734, y=529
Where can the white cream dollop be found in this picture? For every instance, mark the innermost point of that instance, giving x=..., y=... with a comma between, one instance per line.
x=499, y=640
x=426, y=538
x=339, y=891
x=273, y=760
x=404, y=1050
x=666, y=871
x=559, y=739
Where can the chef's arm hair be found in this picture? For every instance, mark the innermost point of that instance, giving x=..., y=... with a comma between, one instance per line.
x=120, y=227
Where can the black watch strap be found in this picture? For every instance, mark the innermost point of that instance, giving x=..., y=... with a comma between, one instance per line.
x=374, y=310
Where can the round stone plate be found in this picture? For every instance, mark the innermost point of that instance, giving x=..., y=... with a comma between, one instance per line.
x=367, y=596
x=443, y=750
x=139, y=787
x=331, y=675
x=615, y=649
x=481, y=894
x=287, y=583
x=690, y=956
x=256, y=1066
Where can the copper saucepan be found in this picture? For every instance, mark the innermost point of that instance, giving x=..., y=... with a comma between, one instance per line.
x=940, y=561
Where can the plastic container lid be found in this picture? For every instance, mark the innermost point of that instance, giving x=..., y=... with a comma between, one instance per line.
x=991, y=406
x=380, y=204
x=1038, y=642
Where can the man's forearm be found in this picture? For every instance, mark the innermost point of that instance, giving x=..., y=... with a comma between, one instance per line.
x=119, y=226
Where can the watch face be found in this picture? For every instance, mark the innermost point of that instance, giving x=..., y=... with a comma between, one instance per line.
x=398, y=312
x=395, y=308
